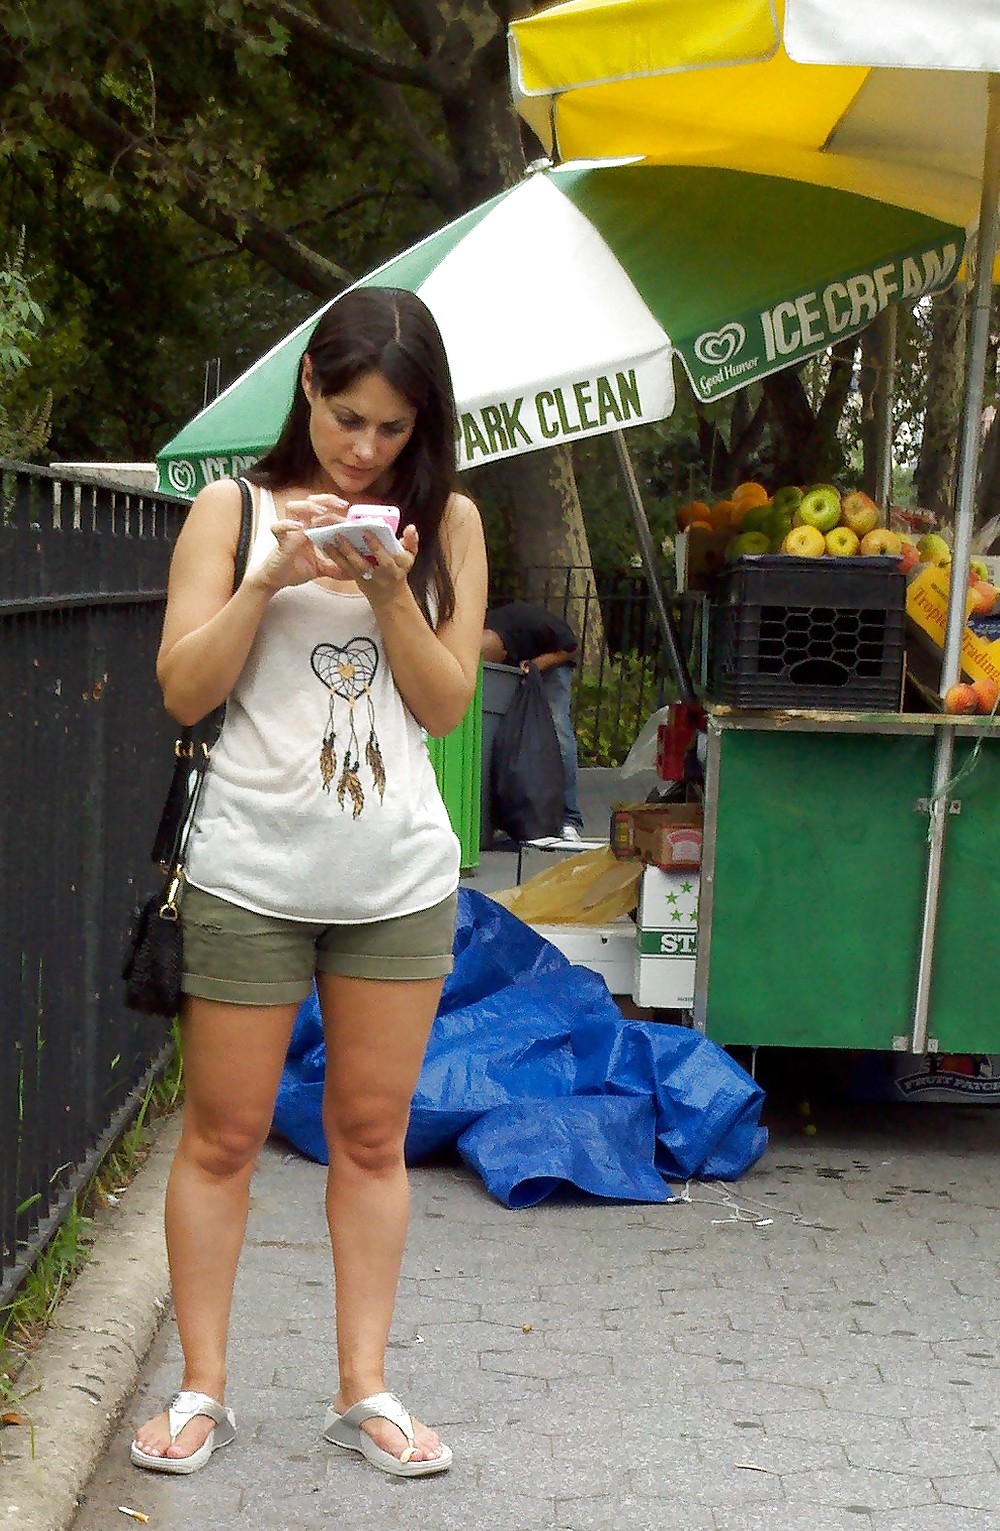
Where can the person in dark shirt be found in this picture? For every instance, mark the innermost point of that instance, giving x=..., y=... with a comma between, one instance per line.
x=520, y=632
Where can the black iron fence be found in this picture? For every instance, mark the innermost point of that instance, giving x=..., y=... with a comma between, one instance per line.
x=84, y=756
x=622, y=676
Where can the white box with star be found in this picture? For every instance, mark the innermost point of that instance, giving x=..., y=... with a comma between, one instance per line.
x=667, y=939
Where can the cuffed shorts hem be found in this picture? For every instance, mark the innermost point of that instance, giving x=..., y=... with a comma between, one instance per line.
x=356, y=965
x=241, y=991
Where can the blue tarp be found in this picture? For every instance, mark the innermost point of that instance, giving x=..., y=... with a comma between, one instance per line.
x=533, y=1075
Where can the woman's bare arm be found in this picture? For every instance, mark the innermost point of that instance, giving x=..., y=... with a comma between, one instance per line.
x=436, y=672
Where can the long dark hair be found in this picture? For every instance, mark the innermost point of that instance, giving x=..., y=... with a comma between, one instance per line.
x=386, y=330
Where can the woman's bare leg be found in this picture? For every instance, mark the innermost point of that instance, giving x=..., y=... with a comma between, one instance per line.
x=233, y=1057
x=376, y=1035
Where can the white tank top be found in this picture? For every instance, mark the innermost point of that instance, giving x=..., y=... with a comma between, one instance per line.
x=320, y=801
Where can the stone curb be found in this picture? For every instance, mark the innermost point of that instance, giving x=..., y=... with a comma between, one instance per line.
x=87, y=1366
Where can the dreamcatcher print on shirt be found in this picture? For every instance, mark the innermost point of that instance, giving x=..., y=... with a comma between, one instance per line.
x=347, y=672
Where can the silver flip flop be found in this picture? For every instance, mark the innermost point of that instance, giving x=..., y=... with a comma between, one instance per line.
x=345, y=1430
x=184, y=1408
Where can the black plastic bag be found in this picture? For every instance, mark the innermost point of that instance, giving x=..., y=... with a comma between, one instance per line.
x=527, y=778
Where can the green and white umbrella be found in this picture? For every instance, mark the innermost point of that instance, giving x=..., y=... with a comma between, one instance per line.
x=563, y=301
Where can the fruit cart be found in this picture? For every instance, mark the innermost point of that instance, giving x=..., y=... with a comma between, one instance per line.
x=812, y=928
x=833, y=911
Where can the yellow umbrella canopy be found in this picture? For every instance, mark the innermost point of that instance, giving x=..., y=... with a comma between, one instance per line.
x=786, y=89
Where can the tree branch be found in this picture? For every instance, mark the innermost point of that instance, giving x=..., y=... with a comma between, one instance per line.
x=278, y=249
x=357, y=49
x=440, y=175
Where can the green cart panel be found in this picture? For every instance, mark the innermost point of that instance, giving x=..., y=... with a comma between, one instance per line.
x=816, y=887
x=964, y=1013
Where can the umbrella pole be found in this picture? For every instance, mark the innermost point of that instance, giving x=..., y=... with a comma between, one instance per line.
x=884, y=397
x=668, y=628
x=972, y=412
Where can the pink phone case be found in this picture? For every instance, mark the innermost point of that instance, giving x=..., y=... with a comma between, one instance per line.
x=387, y=513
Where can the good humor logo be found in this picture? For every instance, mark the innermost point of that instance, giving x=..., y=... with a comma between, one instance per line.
x=181, y=476
x=716, y=347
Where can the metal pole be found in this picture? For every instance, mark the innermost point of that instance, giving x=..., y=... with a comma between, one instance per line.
x=668, y=629
x=884, y=395
x=972, y=414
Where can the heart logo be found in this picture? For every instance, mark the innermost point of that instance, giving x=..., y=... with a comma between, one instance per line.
x=717, y=346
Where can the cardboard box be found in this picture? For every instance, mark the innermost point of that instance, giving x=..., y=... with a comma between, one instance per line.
x=927, y=607
x=606, y=949
x=667, y=939
x=661, y=834
x=669, y=835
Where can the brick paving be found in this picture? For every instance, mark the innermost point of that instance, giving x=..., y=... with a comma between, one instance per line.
x=814, y=1347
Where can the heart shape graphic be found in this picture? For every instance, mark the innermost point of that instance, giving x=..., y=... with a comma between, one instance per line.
x=347, y=671
x=717, y=346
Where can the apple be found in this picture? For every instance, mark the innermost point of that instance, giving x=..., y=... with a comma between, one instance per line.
x=978, y=568
x=777, y=523
x=933, y=549
x=820, y=507
x=788, y=498
x=960, y=699
x=749, y=544
x=755, y=517
x=881, y=542
x=805, y=542
x=859, y=512
x=842, y=542
x=987, y=695
x=984, y=598
x=909, y=558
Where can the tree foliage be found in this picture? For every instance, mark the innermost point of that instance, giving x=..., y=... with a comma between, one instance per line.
x=24, y=427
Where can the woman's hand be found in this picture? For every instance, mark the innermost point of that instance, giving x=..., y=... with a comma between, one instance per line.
x=379, y=574
x=296, y=559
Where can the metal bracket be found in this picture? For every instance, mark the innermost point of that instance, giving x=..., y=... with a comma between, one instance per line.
x=923, y=805
x=900, y=1044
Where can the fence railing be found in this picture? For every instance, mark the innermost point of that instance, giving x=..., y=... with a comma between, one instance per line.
x=622, y=676
x=84, y=762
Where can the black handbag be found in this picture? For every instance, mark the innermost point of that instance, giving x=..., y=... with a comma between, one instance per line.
x=154, y=947
x=527, y=776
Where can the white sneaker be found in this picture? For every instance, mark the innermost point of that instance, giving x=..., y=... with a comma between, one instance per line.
x=571, y=833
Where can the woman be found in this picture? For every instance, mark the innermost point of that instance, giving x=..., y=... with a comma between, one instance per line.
x=321, y=848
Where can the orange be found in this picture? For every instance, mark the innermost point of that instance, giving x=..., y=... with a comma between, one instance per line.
x=987, y=693
x=694, y=510
x=724, y=513
x=750, y=493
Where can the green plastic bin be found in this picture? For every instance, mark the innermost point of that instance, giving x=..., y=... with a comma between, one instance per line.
x=457, y=762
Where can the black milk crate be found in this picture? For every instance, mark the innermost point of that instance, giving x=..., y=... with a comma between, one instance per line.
x=825, y=633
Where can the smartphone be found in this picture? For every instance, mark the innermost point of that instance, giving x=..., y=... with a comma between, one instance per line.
x=387, y=513
x=380, y=519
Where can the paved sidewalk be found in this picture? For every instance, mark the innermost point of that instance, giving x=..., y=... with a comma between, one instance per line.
x=814, y=1347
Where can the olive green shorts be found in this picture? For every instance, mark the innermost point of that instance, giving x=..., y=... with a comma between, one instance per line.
x=244, y=958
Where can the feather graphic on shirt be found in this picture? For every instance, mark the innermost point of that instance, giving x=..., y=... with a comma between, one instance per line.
x=373, y=753
x=347, y=673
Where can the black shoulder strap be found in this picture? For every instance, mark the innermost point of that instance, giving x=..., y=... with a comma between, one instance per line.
x=192, y=747
x=246, y=533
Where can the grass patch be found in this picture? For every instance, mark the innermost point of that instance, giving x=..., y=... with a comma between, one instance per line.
x=26, y=1317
